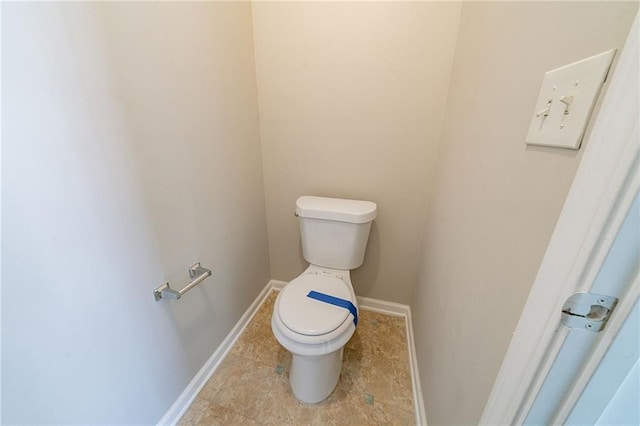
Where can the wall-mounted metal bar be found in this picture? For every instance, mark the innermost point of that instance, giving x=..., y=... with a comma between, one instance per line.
x=197, y=274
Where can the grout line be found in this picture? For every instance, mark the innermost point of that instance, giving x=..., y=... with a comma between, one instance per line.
x=239, y=414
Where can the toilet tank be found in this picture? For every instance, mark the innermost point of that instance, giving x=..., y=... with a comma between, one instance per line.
x=334, y=231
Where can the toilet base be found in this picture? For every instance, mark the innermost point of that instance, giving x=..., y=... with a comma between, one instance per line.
x=313, y=378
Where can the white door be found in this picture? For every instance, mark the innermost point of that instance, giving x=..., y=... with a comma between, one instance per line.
x=591, y=367
x=551, y=373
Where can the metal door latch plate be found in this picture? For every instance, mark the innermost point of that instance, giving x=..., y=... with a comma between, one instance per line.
x=588, y=311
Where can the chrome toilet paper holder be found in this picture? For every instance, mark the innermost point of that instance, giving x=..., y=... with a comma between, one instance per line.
x=197, y=274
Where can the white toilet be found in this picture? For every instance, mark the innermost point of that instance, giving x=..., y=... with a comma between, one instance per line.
x=316, y=314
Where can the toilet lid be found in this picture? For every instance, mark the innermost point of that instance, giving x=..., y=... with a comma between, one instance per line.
x=308, y=316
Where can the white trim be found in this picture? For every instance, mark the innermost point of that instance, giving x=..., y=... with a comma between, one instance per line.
x=383, y=307
x=604, y=187
x=418, y=399
x=277, y=285
x=181, y=405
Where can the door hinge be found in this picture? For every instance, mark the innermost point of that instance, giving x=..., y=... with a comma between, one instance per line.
x=588, y=311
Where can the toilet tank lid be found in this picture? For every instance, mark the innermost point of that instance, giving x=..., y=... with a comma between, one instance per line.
x=338, y=209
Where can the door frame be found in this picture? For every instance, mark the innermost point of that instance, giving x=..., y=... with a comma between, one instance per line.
x=605, y=185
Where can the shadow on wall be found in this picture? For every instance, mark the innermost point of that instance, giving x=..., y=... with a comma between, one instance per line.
x=364, y=277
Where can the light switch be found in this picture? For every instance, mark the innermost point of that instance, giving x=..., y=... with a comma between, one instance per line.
x=566, y=100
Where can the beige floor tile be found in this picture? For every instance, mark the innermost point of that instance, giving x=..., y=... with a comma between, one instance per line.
x=356, y=370
x=217, y=415
x=218, y=379
x=257, y=341
x=344, y=409
x=258, y=392
x=263, y=315
x=195, y=412
x=385, y=414
x=385, y=336
x=390, y=382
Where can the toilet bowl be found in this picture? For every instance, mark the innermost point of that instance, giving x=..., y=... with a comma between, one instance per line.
x=315, y=332
x=316, y=314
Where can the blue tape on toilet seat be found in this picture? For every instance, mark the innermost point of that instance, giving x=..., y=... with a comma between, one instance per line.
x=343, y=303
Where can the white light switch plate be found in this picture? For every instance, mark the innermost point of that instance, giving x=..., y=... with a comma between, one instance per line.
x=565, y=102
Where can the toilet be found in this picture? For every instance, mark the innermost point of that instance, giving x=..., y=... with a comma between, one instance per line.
x=316, y=314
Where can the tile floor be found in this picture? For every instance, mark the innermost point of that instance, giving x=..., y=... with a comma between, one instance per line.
x=251, y=386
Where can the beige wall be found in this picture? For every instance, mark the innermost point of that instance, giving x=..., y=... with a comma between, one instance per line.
x=351, y=104
x=495, y=201
x=130, y=150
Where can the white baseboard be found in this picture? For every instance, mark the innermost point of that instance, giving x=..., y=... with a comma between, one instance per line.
x=177, y=410
x=277, y=284
x=382, y=306
x=181, y=405
x=418, y=399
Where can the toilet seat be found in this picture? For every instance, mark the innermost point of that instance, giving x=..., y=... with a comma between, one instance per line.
x=337, y=284
x=309, y=317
